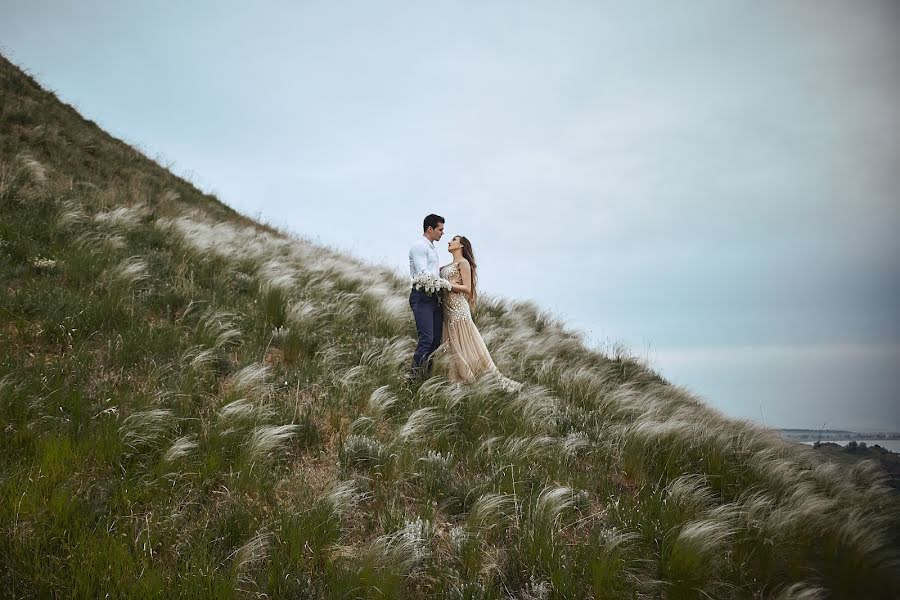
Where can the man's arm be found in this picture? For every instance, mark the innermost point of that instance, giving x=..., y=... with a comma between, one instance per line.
x=418, y=257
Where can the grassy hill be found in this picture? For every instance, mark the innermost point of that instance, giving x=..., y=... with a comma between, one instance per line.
x=196, y=405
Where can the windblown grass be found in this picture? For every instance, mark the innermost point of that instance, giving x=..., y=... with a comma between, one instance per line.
x=194, y=404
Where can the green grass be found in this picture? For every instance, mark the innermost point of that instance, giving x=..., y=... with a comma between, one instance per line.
x=196, y=405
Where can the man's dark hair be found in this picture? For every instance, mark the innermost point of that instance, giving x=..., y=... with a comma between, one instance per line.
x=432, y=221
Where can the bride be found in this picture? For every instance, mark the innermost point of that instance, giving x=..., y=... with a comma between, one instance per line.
x=468, y=357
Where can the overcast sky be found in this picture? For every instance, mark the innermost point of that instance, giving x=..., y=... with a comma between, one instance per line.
x=713, y=184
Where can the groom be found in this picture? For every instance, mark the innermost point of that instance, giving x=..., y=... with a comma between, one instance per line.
x=423, y=256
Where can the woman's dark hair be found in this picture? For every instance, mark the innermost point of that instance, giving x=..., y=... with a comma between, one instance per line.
x=432, y=221
x=469, y=255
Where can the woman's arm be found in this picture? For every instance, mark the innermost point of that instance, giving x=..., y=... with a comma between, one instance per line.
x=466, y=271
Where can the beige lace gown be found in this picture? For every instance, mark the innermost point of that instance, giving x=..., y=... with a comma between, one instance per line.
x=468, y=357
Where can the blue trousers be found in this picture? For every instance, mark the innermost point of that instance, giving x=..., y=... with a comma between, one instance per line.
x=429, y=326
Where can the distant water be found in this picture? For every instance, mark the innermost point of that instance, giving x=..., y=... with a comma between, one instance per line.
x=892, y=445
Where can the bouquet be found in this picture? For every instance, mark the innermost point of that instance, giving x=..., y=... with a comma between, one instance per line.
x=429, y=284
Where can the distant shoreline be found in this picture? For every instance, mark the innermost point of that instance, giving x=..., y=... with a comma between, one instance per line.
x=890, y=446
x=888, y=441
x=835, y=435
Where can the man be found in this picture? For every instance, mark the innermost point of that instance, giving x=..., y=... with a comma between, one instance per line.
x=423, y=256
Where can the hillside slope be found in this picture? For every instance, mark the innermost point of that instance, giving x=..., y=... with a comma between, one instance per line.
x=196, y=405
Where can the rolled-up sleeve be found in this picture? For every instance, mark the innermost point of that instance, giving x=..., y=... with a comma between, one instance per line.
x=418, y=259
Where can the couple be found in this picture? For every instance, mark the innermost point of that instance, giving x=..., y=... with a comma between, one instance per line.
x=444, y=317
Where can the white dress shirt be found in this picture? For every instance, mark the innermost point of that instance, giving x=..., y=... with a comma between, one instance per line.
x=423, y=256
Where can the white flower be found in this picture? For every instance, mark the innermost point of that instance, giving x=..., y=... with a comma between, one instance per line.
x=416, y=534
x=429, y=284
x=458, y=539
x=43, y=263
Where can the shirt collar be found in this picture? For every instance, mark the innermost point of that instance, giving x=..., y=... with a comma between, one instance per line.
x=427, y=241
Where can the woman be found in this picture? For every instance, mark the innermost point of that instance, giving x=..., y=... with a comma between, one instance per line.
x=467, y=354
